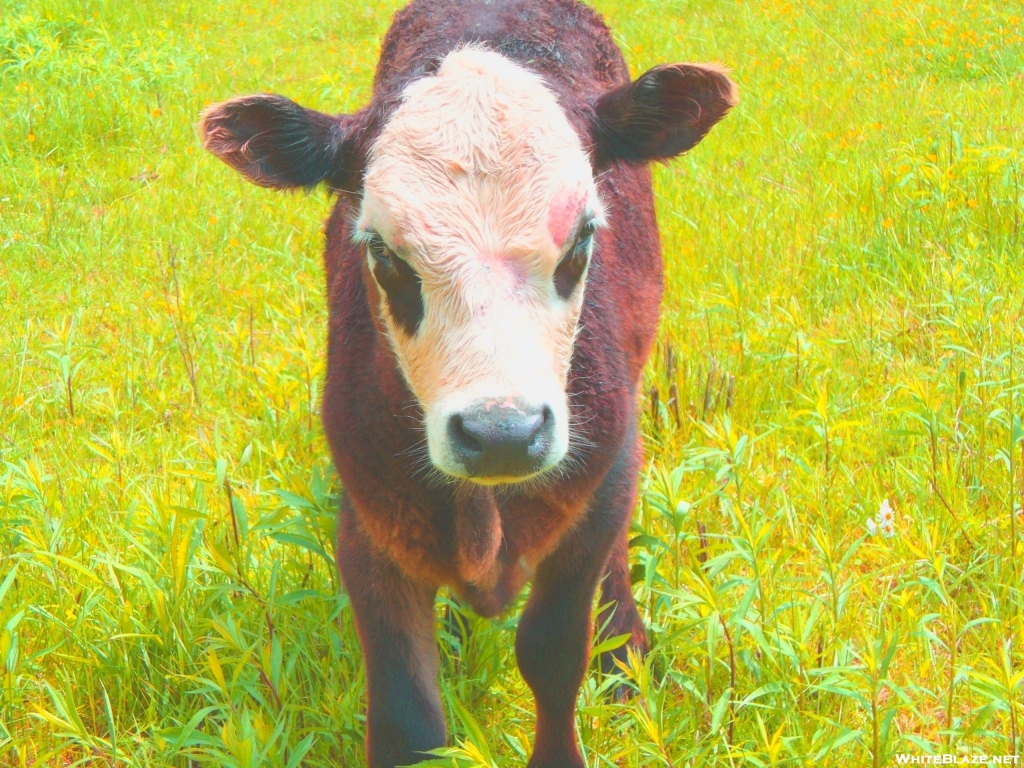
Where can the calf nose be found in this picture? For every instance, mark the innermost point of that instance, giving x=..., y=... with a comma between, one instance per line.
x=501, y=441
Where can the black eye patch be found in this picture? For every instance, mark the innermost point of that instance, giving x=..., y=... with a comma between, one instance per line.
x=572, y=266
x=401, y=285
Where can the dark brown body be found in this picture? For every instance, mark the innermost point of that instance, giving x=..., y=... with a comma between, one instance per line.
x=397, y=535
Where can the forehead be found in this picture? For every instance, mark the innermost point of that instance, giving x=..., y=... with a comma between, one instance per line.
x=481, y=153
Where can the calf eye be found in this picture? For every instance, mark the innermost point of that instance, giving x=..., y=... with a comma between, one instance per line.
x=572, y=266
x=400, y=283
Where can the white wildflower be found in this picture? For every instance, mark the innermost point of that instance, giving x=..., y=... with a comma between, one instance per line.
x=884, y=522
x=886, y=516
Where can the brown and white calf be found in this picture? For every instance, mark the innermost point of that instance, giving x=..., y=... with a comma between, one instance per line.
x=494, y=274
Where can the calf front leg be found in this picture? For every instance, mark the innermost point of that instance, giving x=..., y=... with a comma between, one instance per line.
x=395, y=622
x=553, y=639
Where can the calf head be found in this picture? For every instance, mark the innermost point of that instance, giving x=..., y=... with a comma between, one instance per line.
x=478, y=215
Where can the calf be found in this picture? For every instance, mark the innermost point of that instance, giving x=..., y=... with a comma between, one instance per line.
x=494, y=274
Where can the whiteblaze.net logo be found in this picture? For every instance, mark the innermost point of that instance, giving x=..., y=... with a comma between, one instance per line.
x=905, y=758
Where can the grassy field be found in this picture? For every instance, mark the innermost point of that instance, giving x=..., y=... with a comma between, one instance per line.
x=842, y=326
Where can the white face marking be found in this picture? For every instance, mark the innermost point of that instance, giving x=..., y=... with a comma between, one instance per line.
x=471, y=182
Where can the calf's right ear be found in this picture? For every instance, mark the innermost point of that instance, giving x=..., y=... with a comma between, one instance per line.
x=661, y=114
x=273, y=142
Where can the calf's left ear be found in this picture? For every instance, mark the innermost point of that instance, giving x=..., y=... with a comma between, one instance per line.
x=274, y=142
x=661, y=114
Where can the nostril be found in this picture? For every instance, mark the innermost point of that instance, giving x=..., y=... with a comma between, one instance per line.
x=539, y=438
x=466, y=442
x=548, y=417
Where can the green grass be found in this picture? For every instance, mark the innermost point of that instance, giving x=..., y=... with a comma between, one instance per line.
x=842, y=325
